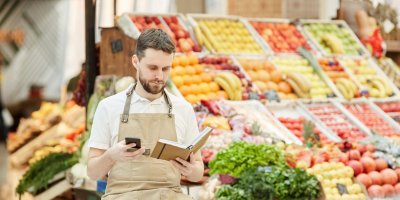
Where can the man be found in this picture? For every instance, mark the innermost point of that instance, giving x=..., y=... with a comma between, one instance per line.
x=146, y=111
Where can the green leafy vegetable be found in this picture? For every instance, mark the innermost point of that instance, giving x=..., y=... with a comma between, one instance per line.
x=272, y=182
x=41, y=172
x=241, y=156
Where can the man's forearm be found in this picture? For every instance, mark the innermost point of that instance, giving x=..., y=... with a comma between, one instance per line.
x=99, y=166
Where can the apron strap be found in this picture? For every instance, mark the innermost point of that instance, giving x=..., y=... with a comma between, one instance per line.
x=125, y=114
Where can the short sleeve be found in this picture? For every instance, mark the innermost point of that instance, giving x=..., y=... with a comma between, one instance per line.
x=100, y=135
x=191, y=130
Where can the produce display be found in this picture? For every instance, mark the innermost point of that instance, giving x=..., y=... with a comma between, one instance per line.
x=194, y=80
x=302, y=78
x=264, y=75
x=334, y=38
x=298, y=122
x=367, y=76
x=346, y=86
x=337, y=181
x=372, y=119
x=281, y=37
x=335, y=120
x=391, y=69
x=392, y=109
x=173, y=26
x=322, y=141
x=228, y=35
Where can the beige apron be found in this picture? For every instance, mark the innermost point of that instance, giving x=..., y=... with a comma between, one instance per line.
x=145, y=177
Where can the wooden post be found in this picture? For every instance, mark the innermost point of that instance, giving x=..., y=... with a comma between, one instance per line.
x=91, y=69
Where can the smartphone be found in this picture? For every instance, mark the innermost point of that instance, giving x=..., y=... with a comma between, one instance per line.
x=130, y=140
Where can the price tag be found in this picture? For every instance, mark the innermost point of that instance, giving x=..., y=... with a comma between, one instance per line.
x=116, y=46
x=272, y=95
x=342, y=188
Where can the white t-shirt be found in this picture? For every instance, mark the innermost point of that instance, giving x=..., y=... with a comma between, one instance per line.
x=104, y=133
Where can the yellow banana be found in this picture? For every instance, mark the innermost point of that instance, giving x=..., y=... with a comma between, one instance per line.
x=343, y=89
x=304, y=84
x=379, y=86
x=232, y=79
x=334, y=43
x=388, y=89
x=199, y=35
x=226, y=86
x=349, y=85
x=297, y=89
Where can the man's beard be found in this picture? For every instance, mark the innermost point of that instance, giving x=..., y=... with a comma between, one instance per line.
x=155, y=89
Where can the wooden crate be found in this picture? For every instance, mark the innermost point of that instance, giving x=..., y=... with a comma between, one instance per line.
x=116, y=50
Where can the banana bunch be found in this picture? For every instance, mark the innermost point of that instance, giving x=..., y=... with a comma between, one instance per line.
x=204, y=36
x=231, y=84
x=300, y=84
x=378, y=87
x=347, y=87
x=334, y=43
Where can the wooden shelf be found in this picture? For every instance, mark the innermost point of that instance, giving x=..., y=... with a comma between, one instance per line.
x=393, y=45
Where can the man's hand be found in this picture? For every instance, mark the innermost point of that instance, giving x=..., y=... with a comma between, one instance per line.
x=119, y=152
x=193, y=170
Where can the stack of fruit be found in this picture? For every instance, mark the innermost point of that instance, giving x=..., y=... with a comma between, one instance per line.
x=192, y=81
x=226, y=71
x=267, y=78
x=376, y=85
x=296, y=126
x=302, y=78
x=337, y=74
x=281, y=37
x=181, y=35
x=334, y=119
x=374, y=174
x=392, y=109
x=372, y=119
x=226, y=36
x=146, y=22
x=336, y=180
x=391, y=69
x=334, y=38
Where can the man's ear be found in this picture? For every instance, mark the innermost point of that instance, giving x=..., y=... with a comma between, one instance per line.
x=135, y=61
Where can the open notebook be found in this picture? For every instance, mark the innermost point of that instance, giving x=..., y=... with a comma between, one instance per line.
x=170, y=150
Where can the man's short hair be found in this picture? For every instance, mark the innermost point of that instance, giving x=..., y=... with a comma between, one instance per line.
x=154, y=39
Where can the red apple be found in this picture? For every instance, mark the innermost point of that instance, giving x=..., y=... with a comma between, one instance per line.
x=368, y=164
x=357, y=167
x=354, y=155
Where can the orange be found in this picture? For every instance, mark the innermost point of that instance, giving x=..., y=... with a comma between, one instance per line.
x=212, y=95
x=179, y=70
x=193, y=60
x=206, y=78
x=214, y=87
x=269, y=66
x=176, y=61
x=253, y=75
x=190, y=70
x=276, y=76
x=202, y=97
x=204, y=88
x=185, y=90
x=284, y=87
x=178, y=81
x=187, y=79
x=258, y=65
x=222, y=94
x=173, y=72
x=261, y=85
x=192, y=98
x=196, y=79
x=195, y=89
x=263, y=75
x=199, y=68
x=184, y=61
x=272, y=86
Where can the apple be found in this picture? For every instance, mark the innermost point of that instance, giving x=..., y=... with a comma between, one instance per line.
x=357, y=167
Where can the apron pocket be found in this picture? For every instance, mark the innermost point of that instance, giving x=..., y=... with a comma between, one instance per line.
x=149, y=169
